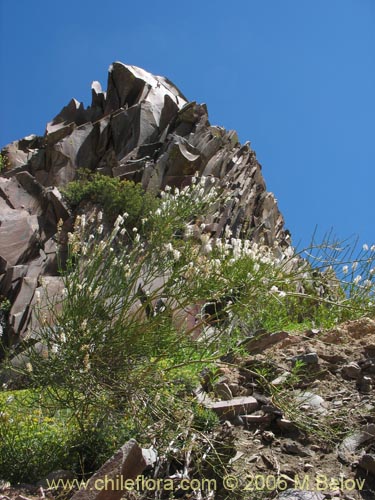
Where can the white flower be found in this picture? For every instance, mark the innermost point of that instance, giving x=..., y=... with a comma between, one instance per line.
x=228, y=232
x=188, y=231
x=125, y=215
x=100, y=229
x=345, y=269
x=100, y=216
x=282, y=293
x=372, y=248
x=127, y=270
x=62, y=337
x=135, y=230
x=274, y=289
x=354, y=265
x=167, y=189
x=54, y=348
x=86, y=362
x=29, y=367
x=357, y=279
x=158, y=211
x=176, y=254
x=367, y=283
x=119, y=221
x=83, y=221
x=137, y=238
x=123, y=231
x=207, y=248
x=365, y=247
x=37, y=296
x=372, y=271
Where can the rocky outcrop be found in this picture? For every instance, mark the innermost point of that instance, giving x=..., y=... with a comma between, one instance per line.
x=142, y=128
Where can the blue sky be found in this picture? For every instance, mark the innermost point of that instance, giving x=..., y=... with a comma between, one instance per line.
x=295, y=77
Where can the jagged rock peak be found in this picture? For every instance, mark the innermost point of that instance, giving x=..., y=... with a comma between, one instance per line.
x=127, y=86
x=143, y=129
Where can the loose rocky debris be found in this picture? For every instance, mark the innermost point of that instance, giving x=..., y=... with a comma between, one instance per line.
x=307, y=436
x=313, y=429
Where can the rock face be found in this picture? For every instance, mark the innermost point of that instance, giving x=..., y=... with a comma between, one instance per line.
x=141, y=129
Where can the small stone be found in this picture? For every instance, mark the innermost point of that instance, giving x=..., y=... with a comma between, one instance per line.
x=223, y=391
x=233, y=407
x=235, y=388
x=365, y=384
x=351, y=371
x=238, y=421
x=315, y=447
x=292, y=494
x=4, y=485
x=313, y=332
x=55, y=477
x=256, y=419
x=268, y=436
x=311, y=358
x=281, y=379
x=293, y=448
x=367, y=462
x=285, y=424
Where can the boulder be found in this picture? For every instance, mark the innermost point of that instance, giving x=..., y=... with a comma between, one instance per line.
x=113, y=479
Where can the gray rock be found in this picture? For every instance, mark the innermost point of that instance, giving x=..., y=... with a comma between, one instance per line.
x=236, y=406
x=351, y=371
x=54, y=477
x=294, y=448
x=222, y=391
x=309, y=359
x=127, y=463
x=292, y=494
x=286, y=425
x=367, y=462
x=311, y=401
x=366, y=384
x=263, y=341
x=351, y=444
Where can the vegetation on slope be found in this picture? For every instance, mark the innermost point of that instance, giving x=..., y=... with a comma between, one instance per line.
x=147, y=305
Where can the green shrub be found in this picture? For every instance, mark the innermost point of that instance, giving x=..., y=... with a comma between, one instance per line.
x=121, y=359
x=115, y=196
x=33, y=442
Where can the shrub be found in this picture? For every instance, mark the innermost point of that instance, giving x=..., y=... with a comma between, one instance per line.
x=142, y=314
x=115, y=196
x=32, y=442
